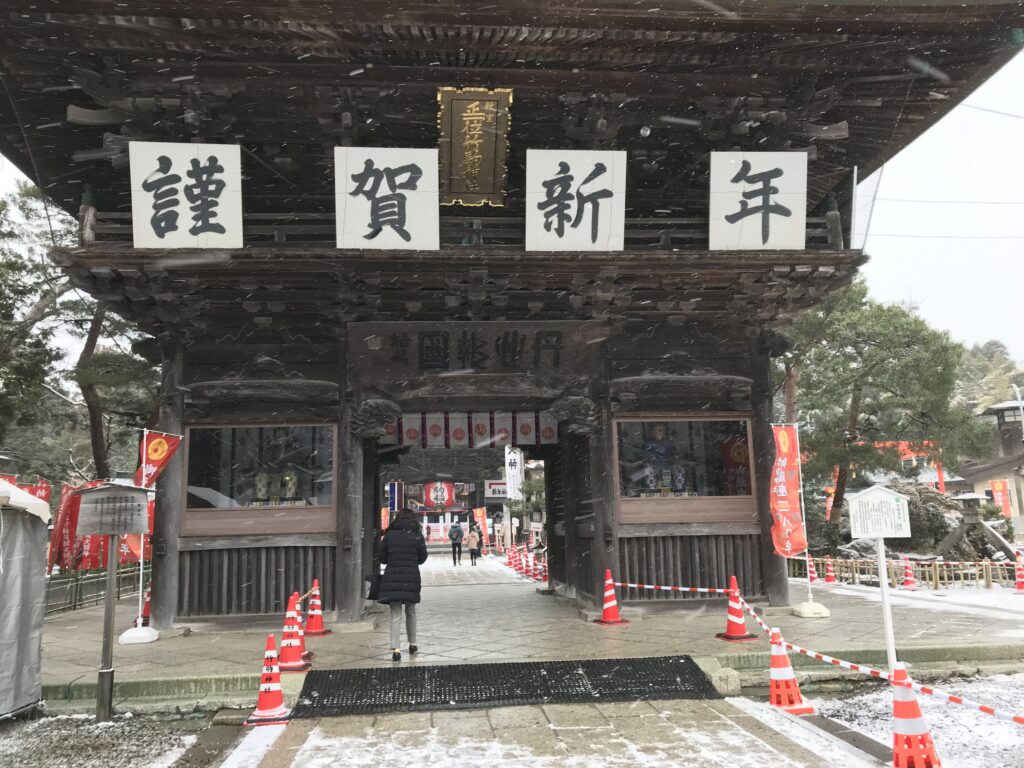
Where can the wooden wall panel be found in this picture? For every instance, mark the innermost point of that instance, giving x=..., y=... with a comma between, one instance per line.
x=221, y=582
x=689, y=561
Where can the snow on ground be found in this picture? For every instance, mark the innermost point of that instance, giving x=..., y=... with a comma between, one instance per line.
x=428, y=749
x=78, y=741
x=254, y=746
x=964, y=738
x=995, y=603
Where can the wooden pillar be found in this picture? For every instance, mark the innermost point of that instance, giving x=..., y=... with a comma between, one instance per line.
x=570, y=507
x=170, y=501
x=773, y=567
x=603, y=491
x=349, y=551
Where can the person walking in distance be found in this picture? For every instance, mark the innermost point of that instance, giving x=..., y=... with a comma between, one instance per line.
x=455, y=536
x=402, y=551
x=473, y=543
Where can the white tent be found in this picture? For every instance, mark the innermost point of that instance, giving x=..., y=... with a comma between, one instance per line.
x=23, y=520
x=13, y=496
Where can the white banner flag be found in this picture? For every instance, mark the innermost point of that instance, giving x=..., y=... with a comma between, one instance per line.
x=386, y=198
x=186, y=195
x=458, y=430
x=575, y=200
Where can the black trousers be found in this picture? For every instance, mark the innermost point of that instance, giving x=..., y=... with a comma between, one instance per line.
x=456, y=552
x=473, y=553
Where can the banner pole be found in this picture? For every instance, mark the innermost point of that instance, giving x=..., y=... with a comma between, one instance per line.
x=803, y=508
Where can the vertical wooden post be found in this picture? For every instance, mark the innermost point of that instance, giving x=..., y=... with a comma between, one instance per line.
x=935, y=576
x=170, y=501
x=349, y=551
x=602, y=481
x=773, y=567
x=570, y=507
x=988, y=574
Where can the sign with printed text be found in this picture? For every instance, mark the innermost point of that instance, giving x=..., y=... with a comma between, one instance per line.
x=575, y=200
x=758, y=201
x=784, y=493
x=1001, y=496
x=879, y=513
x=473, y=144
x=495, y=489
x=386, y=198
x=114, y=510
x=186, y=195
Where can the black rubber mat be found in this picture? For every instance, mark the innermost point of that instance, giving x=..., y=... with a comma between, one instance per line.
x=468, y=686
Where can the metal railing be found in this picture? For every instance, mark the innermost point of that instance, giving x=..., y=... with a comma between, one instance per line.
x=936, y=574
x=70, y=590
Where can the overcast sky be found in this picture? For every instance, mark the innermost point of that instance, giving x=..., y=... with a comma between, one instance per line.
x=947, y=220
x=947, y=232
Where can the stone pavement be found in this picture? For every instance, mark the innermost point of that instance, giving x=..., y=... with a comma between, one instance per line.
x=487, y=614
x=697, y=734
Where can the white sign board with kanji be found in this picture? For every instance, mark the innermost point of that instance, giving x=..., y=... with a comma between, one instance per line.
x=186, y=195
x=495, y=489
x=386, y=198
x=879, y=513
x=575, y=200
x=758, y=201
x=113, y=510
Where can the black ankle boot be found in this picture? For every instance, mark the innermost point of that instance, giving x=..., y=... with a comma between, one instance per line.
x=397, y=655
x=413, y=649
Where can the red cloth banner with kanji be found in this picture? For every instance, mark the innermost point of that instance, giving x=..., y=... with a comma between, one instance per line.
x=784, y=493
x=830, y=493
x=1001, y=496
x=155, y=452
x=480, y=515
x=41, y=489
x=384, y=514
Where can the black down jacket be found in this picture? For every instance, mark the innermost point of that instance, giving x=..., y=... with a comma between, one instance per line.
x=402, y=551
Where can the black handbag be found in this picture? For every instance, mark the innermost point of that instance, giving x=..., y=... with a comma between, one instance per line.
x=371, y=590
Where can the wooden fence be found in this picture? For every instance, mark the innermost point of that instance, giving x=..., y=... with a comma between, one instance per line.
x=933, y=574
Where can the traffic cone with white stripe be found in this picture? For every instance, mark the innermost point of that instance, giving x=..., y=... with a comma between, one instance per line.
x=812, y=573
x=270, y=708
x=736, y=623
x=909, y=581
x=830, y=574
x=536, y=568
x=783, y=691
x=291, y=644
x=1019, y=575
x=315, y=613
x=508, y=555
x=912, y=745
x=300, y=633
x=610, y=611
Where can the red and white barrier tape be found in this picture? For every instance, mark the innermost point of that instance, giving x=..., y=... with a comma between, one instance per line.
x=1010, y=717
x=704, y=590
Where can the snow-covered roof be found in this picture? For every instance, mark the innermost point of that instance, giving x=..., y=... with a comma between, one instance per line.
x=13, y=496
x=1003, y=406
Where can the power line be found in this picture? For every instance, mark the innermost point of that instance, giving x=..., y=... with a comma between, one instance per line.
x=953, y=237
x=950, y=202
x=993, y=111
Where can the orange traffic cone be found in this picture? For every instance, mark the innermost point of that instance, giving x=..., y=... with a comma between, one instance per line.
x=610, y=613
x=300, y=633
x=315, y=613
x=270, y=708
x=145, y=605
x=830, y=574
x=736, y=623
x=1018, y=575
x=912, y=745
x=508, y=556
x=544, y=570
x=291, y=645
x=812, y=573
x=909, y=582
x=783, y=691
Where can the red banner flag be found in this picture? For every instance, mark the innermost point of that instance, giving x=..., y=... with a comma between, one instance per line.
x=155, y=451
x=41, y=489
x=480, y=515
x=830, y=494
x=784, y=493
x=384, y=515
x=1001, y=496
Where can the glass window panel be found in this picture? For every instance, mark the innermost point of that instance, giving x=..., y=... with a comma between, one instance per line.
x=278, y=466
x=677, y=458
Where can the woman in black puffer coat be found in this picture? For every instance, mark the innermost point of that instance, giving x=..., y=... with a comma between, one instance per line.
x=402, y=550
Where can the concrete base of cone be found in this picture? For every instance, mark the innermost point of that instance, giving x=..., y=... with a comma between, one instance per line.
x=811, y=610
x=277, y=717
x=138, y=636
x=605, y=623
